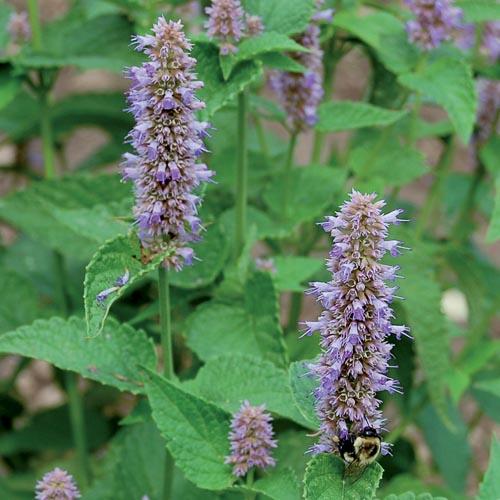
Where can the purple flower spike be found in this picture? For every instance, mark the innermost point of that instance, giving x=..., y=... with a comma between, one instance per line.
x=19, y=27
x=301, y=93
x=491, y=40
x=225, y=23
x=355, y=323
x=254, y=25
x=57, y=485
x=167, y=140
x=489, y=104
x=251, y=439
x=434, y=23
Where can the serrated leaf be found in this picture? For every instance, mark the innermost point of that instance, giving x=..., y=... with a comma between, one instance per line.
x=303, y=385
x=281, y=484
x=282, y=16
x=449, y=83
x=325, y=479
x=111, y=359
x=249, y=327
x=347, y=115
x=72, y=215
x=115, y=259
x=490, y=486
x=217, y=92
x=281, y=62
x=210, y=256
x=409, y=495
x=293, y=271
x=230, y=379
x=312, y=189
x=494, y=226
x=477, y=11
x=426, y=321
x=196, y=433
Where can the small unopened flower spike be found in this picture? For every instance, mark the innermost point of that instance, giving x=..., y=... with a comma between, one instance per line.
x=167, y=140
x=225, y=24
x=57, y=485
x=251, y=439
x=435, y=22
x=254, y=25
x=19, y=27
x=355, y=325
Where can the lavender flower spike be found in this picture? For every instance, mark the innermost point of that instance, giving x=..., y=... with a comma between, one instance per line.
x=301, y=93
x=19, y=27
x=167, y=140
x=356, y=321
x=434, y=23
x=251, y=439
x=57, y=485
x=225, y=23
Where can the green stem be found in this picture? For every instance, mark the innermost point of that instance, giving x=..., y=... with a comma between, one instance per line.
x=412, y=135
x=287, y=173
x=250, y=495
x=168, y=364
x=47, y=137
x=241, y=176
x=435, y=191
x=78, y=425
x=36, y=29
x=261, y=136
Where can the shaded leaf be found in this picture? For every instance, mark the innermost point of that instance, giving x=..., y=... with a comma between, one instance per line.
x=281, y=484
x=293, y=271
x=303, y=385
x=494, y=227
x=490, y=486
x=476, y=11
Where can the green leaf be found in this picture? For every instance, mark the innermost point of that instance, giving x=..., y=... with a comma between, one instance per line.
x=72, y=215
x=347, y=115
x=51, y=430
x=217, y=91
x=492, y=386
x=477, y=11
x=292, y=450
x=232, y=378
x=196, y=433
x=403, y=483
x=325, y=479
x=250, y=327
x=117, y=257
x=281, y=484
x=9, y=85
x=449, y=83
x=292, y=271
x=427, y=323
x=282, y=16
x=303, y=385
x=494, y=227
x=312, y=190
x=210, y=256
x=111, y=359
x=281, y=62
x=409, y=495
x=490, y=486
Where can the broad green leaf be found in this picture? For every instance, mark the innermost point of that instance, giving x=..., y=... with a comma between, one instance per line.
x=312, y=190
x=293, y=271
x=450, y=449
x=51, y=430
x=347, y=115
x=253, y=47
x=494, y=227
x=218, y=92
x=116, y=258
x=477, y=11
x=403, y=483
x=426, y=321
x=73, y=215
x=491, y=386
x=232, y=378
x=489, y=154
x=281, y=484
x=383, y=32
x=282, y=16
x=249, y=327
x=325, y=479
x=449, y=83
x=409, y=495
x=281, y=62
x=9, y=85
x=292, y=450
x=196, y=433
x=97, y=43
x=490, y=486
x=112, y=359
x=303, y=385
x=486, y=399
x=210, y=256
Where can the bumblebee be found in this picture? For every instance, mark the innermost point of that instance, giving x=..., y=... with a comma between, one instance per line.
x=359, y=451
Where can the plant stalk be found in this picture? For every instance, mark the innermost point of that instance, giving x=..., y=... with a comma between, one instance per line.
x=36, y=29
x=168, y=364
x=241, y=176
x=287, y=173
x=250, y=495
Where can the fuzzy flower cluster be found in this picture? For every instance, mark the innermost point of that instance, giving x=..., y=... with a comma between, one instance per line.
x=254, y=25
x=251, y=439
x=57, y=485
x=167, y=140
x=19, y=27
x=489, y=106
x=301, y=93
x=356, y=321
x=489, y=43
x=435, y=21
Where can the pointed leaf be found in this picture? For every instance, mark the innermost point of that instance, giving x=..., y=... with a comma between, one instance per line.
x=490, y=486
